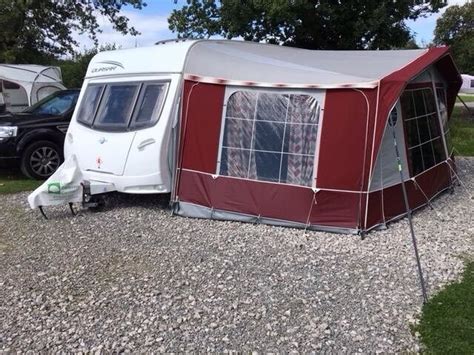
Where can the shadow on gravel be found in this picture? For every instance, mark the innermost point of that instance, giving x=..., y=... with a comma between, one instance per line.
x=116, y=200
x=111, y=201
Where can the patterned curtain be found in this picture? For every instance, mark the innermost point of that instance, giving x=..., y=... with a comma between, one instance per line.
x=238, y=135
x=302, y=129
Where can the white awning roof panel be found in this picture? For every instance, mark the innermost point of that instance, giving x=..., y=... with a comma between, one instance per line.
x=262, y=63
x=30, y=73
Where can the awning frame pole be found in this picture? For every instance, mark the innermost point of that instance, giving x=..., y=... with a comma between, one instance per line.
x=409, y=212
x=466, y=106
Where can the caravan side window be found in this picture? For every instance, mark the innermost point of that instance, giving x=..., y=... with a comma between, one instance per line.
x=270, y=137
x=423, y=133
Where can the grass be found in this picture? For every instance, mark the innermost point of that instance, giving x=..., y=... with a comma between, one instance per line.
x=447, y=322
x=462, y=132
x=466, y=98
x=12, y=181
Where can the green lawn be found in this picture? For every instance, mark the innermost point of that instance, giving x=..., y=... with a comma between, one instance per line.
x=467, y=98
x=14, y=181
x=462, y=132
x=447, y=322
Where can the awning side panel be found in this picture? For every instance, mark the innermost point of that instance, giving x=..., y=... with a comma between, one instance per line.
x=346, y=137
x=387, y=204
x=392, y=86
x=200, y=126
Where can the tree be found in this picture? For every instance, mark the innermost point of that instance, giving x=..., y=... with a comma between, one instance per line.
x=314, y=24
x=74, y=70
x=36, y=31
x=456, y=29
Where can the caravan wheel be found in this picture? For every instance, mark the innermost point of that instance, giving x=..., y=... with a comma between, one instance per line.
x=41, y=159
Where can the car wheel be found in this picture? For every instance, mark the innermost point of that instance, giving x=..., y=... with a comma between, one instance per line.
x=41, y=159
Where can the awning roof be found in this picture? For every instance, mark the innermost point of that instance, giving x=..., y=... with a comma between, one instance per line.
x=261, y=64
x=30, y=73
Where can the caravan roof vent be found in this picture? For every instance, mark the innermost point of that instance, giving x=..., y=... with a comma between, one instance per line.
x=175, y=40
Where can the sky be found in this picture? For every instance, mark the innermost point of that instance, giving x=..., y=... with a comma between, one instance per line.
x=152, y=22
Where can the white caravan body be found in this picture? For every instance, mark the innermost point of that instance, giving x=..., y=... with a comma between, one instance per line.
x=134, y=159
x=23, y=85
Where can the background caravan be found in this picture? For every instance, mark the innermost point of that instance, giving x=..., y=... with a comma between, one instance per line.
x=263, y=133
x=23, y=85
x=467, y=84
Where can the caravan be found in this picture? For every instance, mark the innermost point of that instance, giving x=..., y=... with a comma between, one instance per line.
x=263, y=133
x=467, y=84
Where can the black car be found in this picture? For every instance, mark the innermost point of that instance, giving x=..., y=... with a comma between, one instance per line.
x=34, y=138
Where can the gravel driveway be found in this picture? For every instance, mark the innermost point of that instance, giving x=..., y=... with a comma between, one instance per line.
x=134, y=277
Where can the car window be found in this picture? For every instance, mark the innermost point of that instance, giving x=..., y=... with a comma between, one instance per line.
x=56, y=105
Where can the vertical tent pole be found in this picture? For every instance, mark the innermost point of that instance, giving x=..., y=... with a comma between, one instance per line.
x=409, y=212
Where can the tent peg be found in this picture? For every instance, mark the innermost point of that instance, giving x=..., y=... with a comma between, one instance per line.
x=71, y=207
x=42, y=212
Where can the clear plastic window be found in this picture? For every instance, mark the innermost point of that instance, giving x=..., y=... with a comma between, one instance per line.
x=424, y=140
x=443, y=110
x=270, y=137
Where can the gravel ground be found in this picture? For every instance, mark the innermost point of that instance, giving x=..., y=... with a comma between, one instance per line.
x=135, y=278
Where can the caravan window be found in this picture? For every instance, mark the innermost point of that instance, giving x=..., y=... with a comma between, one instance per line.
x=122, y=106
x=270, y=137
x=423, y=133
x=89, y=104
x=149, y=104
x=116, y=106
